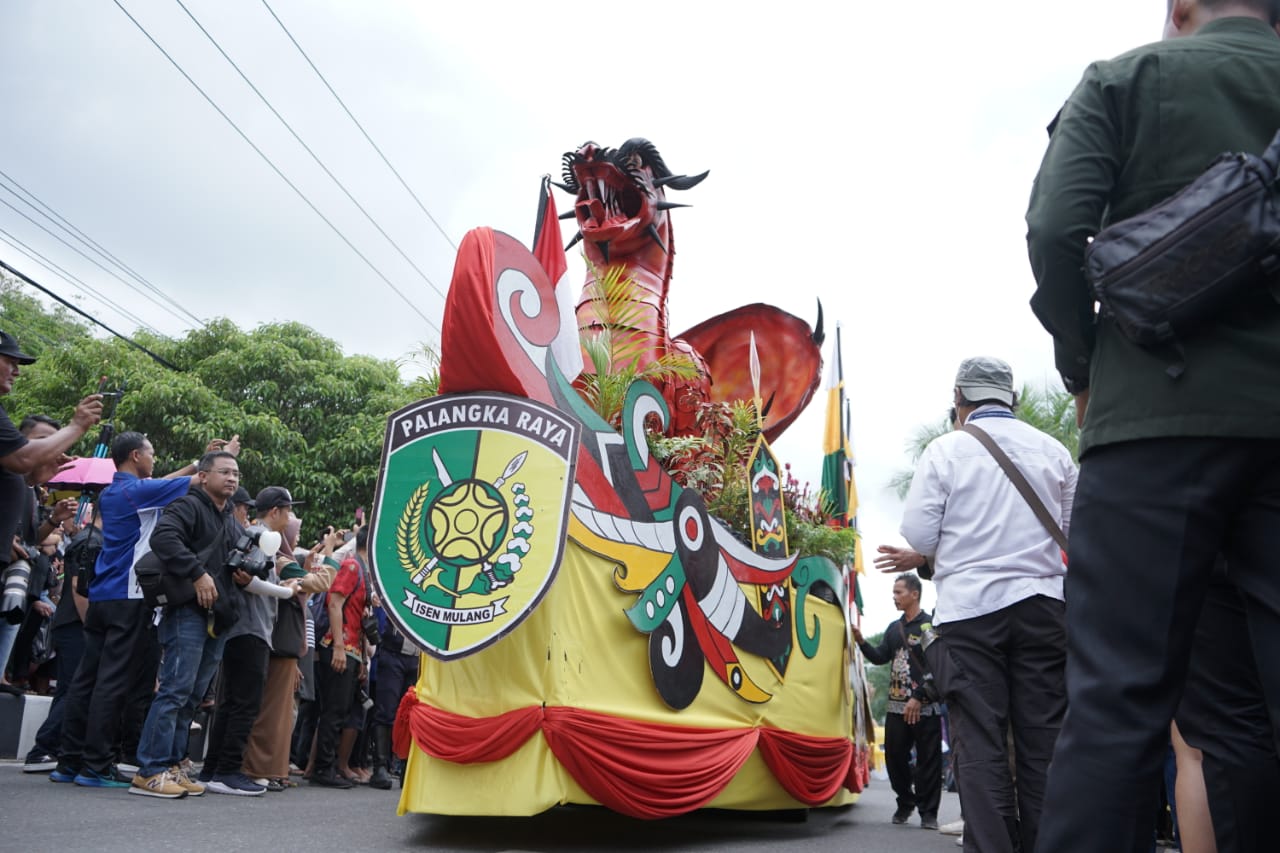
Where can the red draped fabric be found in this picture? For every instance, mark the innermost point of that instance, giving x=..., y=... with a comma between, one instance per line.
x=646, y=770
x=472, y=740
x=811, y=769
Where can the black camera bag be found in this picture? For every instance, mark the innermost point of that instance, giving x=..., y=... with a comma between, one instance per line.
x=163, y=589
x=1170, y=270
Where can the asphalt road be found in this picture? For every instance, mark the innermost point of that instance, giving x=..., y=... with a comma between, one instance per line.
x=36, y=814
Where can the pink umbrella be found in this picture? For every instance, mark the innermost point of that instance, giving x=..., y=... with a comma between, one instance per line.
x=87, y=472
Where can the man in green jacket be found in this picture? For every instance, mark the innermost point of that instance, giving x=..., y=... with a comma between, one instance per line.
x=1173, y=471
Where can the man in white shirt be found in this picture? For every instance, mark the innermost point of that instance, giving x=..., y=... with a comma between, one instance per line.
x=1000, y=605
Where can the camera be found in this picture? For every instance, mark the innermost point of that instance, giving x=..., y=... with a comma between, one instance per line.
x=369, y=626
x=248, y=557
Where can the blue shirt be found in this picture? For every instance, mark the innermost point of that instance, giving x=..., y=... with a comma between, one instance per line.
x=130, y=508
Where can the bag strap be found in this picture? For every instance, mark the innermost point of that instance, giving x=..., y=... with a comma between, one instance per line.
x=1019, y=482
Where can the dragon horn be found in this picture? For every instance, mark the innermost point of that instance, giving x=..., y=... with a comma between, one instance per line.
x=564, y=187
x=680, y=182
x=670, y=205
x=819, y=335
x=574, y=241
x=653, y=235
x=603, y=246
x=570, y=215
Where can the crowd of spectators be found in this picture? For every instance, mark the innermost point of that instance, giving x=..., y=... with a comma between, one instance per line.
x=189, y=642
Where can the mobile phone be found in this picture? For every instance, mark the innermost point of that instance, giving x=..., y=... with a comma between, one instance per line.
x=360, y=515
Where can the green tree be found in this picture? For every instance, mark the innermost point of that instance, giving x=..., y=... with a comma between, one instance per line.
x=309, y=417
x=1049, y=410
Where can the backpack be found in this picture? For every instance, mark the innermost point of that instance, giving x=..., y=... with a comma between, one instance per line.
x=81, y=557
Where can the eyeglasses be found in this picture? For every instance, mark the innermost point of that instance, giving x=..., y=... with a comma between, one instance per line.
x=226, y=472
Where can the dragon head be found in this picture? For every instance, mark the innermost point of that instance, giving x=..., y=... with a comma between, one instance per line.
x=621, y=204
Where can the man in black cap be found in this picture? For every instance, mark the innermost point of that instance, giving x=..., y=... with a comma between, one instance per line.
x=246, y=659
x=241, y=503
x=19, y=456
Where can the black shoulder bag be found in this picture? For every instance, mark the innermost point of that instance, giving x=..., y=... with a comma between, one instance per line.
x=1172, y=269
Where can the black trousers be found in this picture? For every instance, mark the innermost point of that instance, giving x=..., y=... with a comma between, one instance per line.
x=102, y=681
x=68, y=643
x=1150, y=517
x=137, y=702
x=335, y=692
x=921, y=788
x=396, y=673
x=1011, y=663
x=1224, y=715
x=244, y=676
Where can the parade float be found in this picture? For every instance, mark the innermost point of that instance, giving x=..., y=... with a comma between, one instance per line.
x=594, y=634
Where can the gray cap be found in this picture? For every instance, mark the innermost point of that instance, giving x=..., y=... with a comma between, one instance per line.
x=985, y=378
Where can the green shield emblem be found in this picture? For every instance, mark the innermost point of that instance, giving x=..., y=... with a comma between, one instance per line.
x=470, y=518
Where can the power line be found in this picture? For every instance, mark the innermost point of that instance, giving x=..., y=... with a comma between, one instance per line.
x=54, y=216
x=72, y=279
x=10, y=322
x=357, y=123
x=276, y=168
x=307, y=148
x=133, y=287
x=90, y=317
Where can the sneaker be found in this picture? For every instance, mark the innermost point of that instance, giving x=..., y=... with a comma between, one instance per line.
x=956, y=827
x=901, y=815
x=206, y=773
x=128, y=765
x=63, y=773
x=331, y=780
x=160, y=785
x=960, y=840
x=928, y=822
x=39, y=762
x=177, y=774
x=87, y=778
x=236, y=784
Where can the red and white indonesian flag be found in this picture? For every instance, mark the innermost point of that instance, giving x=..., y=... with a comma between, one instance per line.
x=566, y=349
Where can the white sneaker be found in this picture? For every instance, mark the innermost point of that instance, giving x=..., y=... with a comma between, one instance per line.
x=956, y=827
x=960, y=841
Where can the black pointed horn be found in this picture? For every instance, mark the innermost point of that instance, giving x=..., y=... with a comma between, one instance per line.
x=670, y=205
x=570, y=215
x=603, y=246
x=570, y=190
x=652, y=230
x=764, y=413
x=681, y=182
x=818, y=334
x=574, y=241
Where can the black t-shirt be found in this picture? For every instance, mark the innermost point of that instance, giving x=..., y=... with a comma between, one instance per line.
x=13, y=500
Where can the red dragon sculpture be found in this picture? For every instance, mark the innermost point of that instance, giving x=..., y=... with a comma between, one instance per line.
x=624, y=219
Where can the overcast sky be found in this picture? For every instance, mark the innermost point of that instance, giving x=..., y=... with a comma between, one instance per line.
x=876, y=156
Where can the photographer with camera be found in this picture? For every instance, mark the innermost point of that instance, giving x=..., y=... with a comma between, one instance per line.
x=913, y=714
x=191, y=542
x=247, y=653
